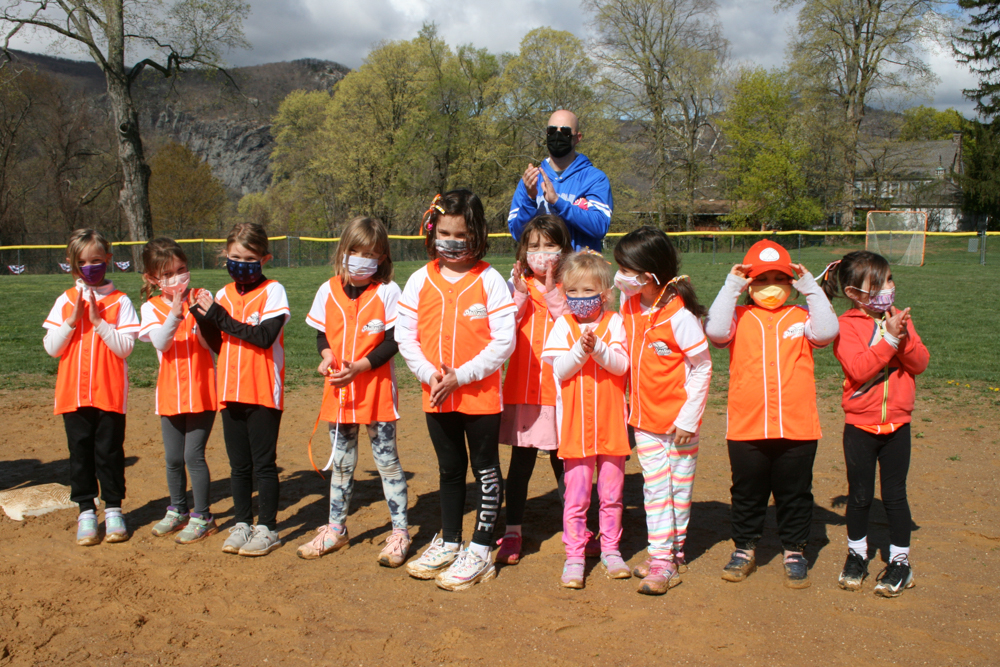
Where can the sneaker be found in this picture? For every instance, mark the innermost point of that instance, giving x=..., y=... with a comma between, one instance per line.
x=396, y=548
x=466, y=571
x=198, y=528
x=615, y=566
x=661, y=578
x=238, y=536
x=510, y=549
x=115, y=529
x=86, y=530
x=680, y=562
x=572, y=576
x=433, y=560
x=329, y=538
x=740, y=566
x=593, y=548
x=895, y=578
x=171, y=523
x=854, y=573
x=262, y=542
x=641, y=571
x=796, y=571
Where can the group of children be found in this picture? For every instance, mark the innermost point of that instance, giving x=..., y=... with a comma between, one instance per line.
x=583, y=380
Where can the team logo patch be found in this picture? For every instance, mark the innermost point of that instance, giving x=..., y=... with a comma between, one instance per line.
x=797, y=330
x=582, y=202
x=374, y=326
x=476, y=311
x=661, y=348
x=254, y=319
x=769, y=255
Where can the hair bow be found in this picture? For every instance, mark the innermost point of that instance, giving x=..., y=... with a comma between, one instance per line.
x=435, y=205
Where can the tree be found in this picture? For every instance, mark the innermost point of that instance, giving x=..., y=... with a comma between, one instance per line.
x=664, y=60
x=928, y=124
x=981, y=178
x=767, y=150
x=175, y=33
x=184, y=196
x=978, y=46
x=853, y=50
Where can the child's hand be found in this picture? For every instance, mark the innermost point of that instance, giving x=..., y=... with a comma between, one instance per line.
x=681, y=437
x=517, y=279
x=896, y=324
x=446, y=382
x=799, y=269
x=77, y=313
x=92, y=311
x=550, y=278
x=548, y=190
x=177, y=306
x=530, y=179
x=741, y=270
x=328, y=361
x=348, y=371
x=588, y=340
x=204, y=300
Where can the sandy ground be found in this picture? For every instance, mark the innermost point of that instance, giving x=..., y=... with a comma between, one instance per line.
x=152, y=602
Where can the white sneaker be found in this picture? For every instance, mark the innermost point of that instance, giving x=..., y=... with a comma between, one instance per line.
x=467, y=571
x=238, y=536
x=435, y=558
x=262, y=542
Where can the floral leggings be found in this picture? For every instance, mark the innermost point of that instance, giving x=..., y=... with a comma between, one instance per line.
x=344, y=438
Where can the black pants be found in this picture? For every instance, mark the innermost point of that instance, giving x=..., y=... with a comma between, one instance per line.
x=449, y=431
x=251, y=433
x=522, y=465
x=96, y=457
x=892, y=453
x=764, y=467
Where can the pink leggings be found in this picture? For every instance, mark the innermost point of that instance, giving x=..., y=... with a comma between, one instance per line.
x=579, y=477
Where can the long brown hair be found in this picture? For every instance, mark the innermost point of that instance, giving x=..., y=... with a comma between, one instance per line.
x=155, y=256
x=363, y=232
x=551, y=227
x=648, y=250
x=852, y=270
x=464, y=203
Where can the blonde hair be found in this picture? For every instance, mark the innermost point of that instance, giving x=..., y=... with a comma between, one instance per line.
x=586, y=265
x=155, y=256
x=250, y=235
x=80, y=240
x=364, y=232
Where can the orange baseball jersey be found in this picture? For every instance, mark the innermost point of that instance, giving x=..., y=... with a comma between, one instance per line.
x=772, y=391
x=354, y=328
x=529, y=381
x=246, y=373
x=658, y=343
x=186, y=383
x=90, y=374
x=456, y=324
x=590, y=404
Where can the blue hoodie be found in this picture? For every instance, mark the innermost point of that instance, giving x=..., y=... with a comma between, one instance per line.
x=584, y=203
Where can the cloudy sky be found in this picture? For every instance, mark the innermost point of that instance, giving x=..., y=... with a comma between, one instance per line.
x=344, y=31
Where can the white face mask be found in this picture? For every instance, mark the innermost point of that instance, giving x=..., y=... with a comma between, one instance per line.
x=360, y=267
x=540, y=261
x=175, y=284
x=628, y=285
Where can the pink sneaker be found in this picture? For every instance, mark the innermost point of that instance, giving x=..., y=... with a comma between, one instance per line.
x=510, y=549
x=641, y=571
x=661, y=578
x=396, y=549
x=328, y=539
x=616, y=566
x=680, y=562
x=572, y=576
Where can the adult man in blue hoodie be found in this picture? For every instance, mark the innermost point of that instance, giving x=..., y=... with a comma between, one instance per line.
x=567, y=185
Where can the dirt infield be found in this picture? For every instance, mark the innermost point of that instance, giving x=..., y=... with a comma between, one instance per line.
x=152, y=602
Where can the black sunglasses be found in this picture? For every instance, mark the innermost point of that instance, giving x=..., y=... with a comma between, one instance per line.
x=565, y=131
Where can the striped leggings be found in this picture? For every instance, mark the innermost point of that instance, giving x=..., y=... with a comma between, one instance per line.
x=668, y=475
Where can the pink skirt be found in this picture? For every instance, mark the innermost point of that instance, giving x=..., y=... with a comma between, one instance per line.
x=529, y=426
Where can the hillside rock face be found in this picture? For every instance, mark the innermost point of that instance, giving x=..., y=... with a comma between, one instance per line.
x=238, y=152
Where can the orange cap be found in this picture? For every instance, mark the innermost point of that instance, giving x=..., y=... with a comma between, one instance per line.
x=768, y=256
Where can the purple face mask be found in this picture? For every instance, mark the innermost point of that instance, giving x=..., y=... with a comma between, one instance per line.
x=93, y=274
x=584, y=306
x=881, y=301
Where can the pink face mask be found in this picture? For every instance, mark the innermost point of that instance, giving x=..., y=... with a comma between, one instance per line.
x=540, y=262
x=175, y=285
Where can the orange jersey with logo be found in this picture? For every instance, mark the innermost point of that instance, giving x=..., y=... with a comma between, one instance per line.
x=353, y=328
x=90, y=374
x=772, y=390
x=590, y=405
x=658, y=343
x=453, y=322
x=246, y=373
x=186, y=382
x=529, y=381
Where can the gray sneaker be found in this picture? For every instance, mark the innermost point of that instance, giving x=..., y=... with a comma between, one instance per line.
x=262, y=542
x=238, y=536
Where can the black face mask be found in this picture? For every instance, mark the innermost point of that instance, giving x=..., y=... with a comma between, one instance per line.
x=559, y=144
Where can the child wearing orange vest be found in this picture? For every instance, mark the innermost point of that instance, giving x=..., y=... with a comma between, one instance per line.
x=773, y=422
x=455, y=330
x=91, y=329
x=251, y=313
x=671, y=369
x=355, y=315
x=185, y=387
x=586, y=349
x=881, y=354
x=529, y=412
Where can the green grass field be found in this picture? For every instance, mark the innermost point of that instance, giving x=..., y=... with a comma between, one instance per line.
x=950, y=291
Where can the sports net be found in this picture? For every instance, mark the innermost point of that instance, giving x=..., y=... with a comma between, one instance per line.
x=899, y=236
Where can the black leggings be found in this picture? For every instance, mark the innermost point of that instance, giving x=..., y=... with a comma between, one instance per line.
x=251, y=433
x=522, y=465
x=449, y=431
x=96, y=457
x=891, y=451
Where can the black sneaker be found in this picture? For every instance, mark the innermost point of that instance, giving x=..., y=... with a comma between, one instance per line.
x=855, y=571
x=796, y=571
x=740, y=566
x=896, y=577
